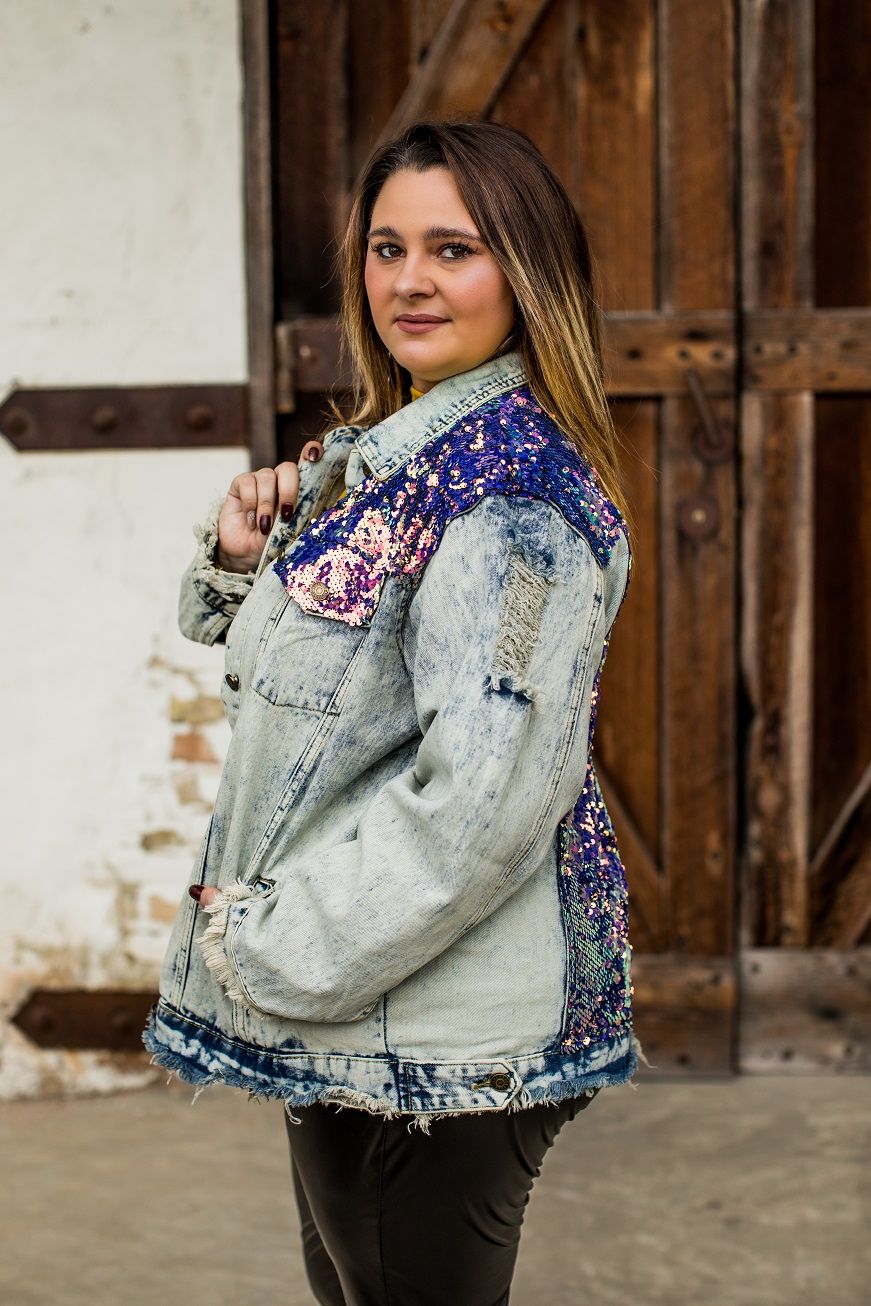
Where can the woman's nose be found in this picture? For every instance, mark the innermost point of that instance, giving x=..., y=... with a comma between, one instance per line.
x=413, y=278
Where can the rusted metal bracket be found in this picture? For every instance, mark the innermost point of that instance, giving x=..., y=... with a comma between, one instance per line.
x=712, y=440
x=110, y=1019
x=306, y=359
x=126, y=417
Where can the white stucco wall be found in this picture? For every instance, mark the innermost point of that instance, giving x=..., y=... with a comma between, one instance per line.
x=121, y=252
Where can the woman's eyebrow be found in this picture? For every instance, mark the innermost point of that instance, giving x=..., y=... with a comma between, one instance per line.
x=431, y=233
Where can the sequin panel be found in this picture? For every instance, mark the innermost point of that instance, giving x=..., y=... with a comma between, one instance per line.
x=595, y=910
x=508, y=446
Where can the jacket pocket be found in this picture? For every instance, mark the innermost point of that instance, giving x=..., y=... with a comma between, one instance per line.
x=307, y=661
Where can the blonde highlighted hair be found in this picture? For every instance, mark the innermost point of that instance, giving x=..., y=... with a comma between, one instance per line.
x=529, y=224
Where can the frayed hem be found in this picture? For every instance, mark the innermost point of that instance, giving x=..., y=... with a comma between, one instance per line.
x=544, y=1089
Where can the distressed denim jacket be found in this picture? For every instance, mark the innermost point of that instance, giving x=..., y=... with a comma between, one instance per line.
x=422, y=906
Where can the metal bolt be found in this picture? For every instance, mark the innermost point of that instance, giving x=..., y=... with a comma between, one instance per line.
x=104, y=418
x=199, y=417
x=41, y=1019
x=17, y=421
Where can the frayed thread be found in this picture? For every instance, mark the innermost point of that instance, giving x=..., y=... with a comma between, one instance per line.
x=211, y=941
x=640, y=1054
x=523, y=601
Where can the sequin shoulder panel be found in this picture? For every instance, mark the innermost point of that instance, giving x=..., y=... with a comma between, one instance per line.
x=507, y=446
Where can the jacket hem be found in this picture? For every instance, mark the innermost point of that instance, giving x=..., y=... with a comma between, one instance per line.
x=420, y=1092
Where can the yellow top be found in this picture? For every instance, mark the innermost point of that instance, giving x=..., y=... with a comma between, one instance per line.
x=415, y=394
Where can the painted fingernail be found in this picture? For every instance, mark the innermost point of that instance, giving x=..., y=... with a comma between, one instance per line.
x=286, y=511
x=313, y=454
x=196, y=891
x=252, y=519
x=265, y=523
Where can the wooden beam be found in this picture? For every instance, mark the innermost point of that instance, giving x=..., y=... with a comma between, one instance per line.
x=776, y=95
x=256, y=70
x=840, y=872
x=645, y=353
x=126, y=417
x=805, y=1010
x=776, y=655
x=684, y=1013
x=467, y=61
x=821, y=349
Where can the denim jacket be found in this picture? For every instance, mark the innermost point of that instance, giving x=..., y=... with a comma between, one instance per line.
x=422, y=906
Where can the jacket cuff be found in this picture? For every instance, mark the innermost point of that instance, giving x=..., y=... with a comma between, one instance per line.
x=222, y=590
x=212, y=941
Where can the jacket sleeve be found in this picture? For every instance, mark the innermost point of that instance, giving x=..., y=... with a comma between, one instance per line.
x=210, y=597
x=503, y=639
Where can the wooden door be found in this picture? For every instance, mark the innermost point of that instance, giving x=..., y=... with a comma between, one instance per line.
x=736, y=774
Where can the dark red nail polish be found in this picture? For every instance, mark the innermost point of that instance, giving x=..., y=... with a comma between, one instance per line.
x=196, y=891
x=313, y=455
x=286, y=511
x=265, y=523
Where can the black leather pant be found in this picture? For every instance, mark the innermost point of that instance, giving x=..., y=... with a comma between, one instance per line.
x=392, y=1216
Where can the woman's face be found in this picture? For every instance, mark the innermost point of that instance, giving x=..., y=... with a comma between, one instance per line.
x=425, y=259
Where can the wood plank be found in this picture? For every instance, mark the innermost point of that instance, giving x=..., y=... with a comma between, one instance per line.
x=616, y=116
x=546, y=76
x=842, y=146
x=777, y=273
x=697, y=179
x=777, y=148
x=698, y=637
x=467, y=61
x=427, y=17
x=825, y=350
x=684, y=1013
x=698, y=519
x=842, y=653
x=257, y=135
x=776, y=658
x=379, y=37
x=805, y=1010
x=310, y=151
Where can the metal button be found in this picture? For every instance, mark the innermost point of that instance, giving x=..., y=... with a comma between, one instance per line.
x=500, y=1082
x=318, y=590
x=232, y=681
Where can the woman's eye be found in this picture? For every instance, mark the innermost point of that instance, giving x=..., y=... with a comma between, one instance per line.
x=378, y=249
x=464, y=250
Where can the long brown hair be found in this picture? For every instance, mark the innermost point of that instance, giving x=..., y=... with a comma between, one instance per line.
x=528, y=222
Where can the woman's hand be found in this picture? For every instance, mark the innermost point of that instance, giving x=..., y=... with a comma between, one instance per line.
x=250, y=508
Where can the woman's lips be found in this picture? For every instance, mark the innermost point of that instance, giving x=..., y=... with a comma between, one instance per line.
x=418, y=328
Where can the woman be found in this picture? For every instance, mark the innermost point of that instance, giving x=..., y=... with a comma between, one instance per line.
x=417, y=910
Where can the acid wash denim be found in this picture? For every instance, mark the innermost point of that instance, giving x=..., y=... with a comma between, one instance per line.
x=422, y=908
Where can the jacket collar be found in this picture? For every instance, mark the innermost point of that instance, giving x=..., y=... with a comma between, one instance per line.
x=388, y=444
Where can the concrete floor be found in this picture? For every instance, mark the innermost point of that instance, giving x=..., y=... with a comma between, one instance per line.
x=751, y=1190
